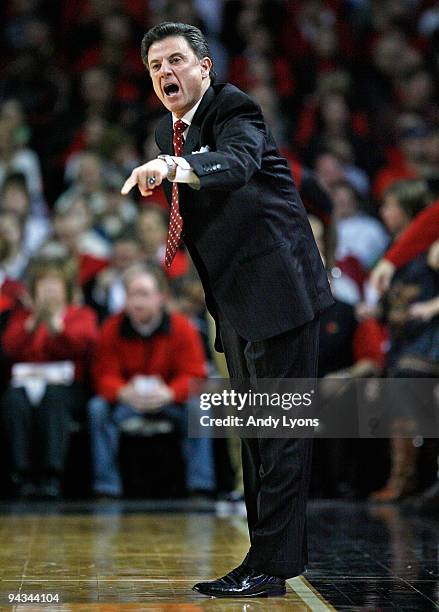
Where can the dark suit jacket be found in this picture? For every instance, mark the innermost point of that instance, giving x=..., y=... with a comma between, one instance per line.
x=246, y=228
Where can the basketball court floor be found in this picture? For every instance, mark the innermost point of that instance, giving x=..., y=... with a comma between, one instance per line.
x=147, y=555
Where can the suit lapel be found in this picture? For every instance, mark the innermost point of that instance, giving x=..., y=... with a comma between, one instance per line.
x=192, y=139
x=193, y=134
x=163, y=135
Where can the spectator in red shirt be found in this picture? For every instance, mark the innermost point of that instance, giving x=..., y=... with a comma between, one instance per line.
x=144, y=362
x=53, y=339
x=12, y=293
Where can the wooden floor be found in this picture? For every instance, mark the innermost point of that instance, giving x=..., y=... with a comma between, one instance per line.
x=146, y=555
x=129, y=562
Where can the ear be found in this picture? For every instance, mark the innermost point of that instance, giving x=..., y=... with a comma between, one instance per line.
x=206, y=65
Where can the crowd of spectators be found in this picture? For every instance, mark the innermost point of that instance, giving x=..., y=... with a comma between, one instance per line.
x=349, y=88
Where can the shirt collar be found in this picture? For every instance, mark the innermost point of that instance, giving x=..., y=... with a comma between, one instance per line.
x=187, y=117
x=127, y=330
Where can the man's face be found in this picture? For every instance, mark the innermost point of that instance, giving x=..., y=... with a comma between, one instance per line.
x=179, y=78
x=144, y=300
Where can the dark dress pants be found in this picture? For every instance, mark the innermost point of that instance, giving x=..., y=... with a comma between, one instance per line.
x=276, y=471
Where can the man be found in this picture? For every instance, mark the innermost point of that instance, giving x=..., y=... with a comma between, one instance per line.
x=144, y=361
x=105, y=291
x=247, y=232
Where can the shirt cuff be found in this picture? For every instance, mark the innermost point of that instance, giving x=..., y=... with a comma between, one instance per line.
x=185, y=173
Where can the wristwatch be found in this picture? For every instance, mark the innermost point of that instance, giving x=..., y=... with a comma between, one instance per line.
x=172, y=166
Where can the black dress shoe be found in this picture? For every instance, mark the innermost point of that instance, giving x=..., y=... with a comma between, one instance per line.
x=243, y=581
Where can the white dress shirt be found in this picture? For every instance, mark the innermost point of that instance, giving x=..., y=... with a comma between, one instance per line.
x=184, y=172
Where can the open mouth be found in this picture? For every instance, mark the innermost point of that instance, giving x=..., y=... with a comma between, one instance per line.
x=171, y=90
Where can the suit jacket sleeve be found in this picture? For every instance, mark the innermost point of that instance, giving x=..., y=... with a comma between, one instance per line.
x=239, y=131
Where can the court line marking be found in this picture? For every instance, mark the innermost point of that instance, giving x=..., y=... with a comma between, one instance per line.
x=300, y=585
x=309, y=594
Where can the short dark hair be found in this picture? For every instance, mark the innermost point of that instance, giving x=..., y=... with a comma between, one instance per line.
x=413, y=195
x=195, y=39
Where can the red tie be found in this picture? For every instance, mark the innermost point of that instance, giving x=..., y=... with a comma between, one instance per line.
x=175, y=222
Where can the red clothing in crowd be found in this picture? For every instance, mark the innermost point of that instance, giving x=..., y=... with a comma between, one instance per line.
x=370, y=341
x=74, y=343
x=89, y=267
x=11, y=293
x=6, y=303
x=353, y=268
x=180, y=265
x=174, y=352
x=418, y=237
x=84, y=12
x=388, y=176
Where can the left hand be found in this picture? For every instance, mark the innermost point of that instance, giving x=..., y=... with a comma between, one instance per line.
x=156, y=168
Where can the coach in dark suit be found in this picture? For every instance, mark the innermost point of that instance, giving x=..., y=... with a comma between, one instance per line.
x=240, y=216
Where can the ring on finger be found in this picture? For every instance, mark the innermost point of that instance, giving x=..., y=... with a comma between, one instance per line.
x=151, y=180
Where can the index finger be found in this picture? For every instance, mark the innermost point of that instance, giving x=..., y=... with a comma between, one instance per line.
x=129, y=184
